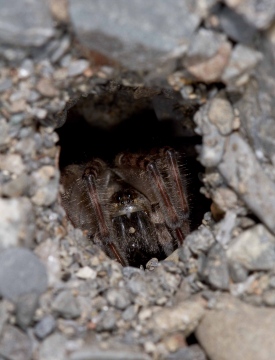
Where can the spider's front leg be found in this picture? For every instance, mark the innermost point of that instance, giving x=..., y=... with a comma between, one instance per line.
x=93, y=176
x=161, y=181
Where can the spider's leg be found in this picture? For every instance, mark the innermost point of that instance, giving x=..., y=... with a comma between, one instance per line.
x=90, y=175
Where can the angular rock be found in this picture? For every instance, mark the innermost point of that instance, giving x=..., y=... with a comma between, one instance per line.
x=243, y=59
x=118, y=298
x=200, y=240
x=244, y=174
x=45, y=327
x=66, y=305
x=221, y=114
x=259, y=14
x=53, y=348
x=183, y=317
x=21, y=272
x=235, y=330
x=14, y=344
x=25, y=23
x=254, y=249
x=16, y=187
x=214, y=269
x=207, y=55
x=137, y=34
x=16, y=223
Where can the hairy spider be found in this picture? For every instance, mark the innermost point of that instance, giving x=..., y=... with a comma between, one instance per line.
x=135, y=210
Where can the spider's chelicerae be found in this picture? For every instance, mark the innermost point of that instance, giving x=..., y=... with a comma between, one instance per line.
x=135, y=210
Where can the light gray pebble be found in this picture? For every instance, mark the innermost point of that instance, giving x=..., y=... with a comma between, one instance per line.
x=200, y=240
x=45, y=326
x=238, y=273
x=66, y=305
x=130, y=313
x=77, y=67
x=108, y=320
x=193, y=352
x=4, y=133
x=14, y=344
x=118, y=298
x=115, y=354
x=26, y=305
x=53, y=347
x=21, y=272
x=17, y=187
x=5, y=84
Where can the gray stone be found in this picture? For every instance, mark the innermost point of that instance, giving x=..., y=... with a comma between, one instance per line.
x=118, y=298
x=12, y=163
x=14, y=344
x=53, y=348
x=130, y=313
x=108, y=320
x=16, y=187
x=26, y=69
x=258, y=14
x=243, y=59
x=183, y=317
x=25, y=23
x=200, y=240
x=77, y=67
x=193, y=352
x=45, y=326
x=4, y=136
x=244, y=174
x=254, y=249
x=16, y=223
x=4, y=314
x=63, y=46
x=236, y=27
x=25, y=307
x=21, y=272
x=46, y=181
x=66, y=305
x=91, y=353
x=207, y=55
x=223, y=230
x=269, y=297
x=214, y=268
x=238, y=273
x=137, y=34
x=235, y=330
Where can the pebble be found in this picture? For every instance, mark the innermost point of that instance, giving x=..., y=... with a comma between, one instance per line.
x=45, y=326
x=92, y=353
x=214, y=269
x=193, y=352
x=53, y=347
x=4, y=133
x=26, y=69
x=17, y=225
x=86, y=273
x=254, y=249
x=14, y=344
x=77, y=67
x=12, y=163
x=21, y=272
x=5, y=84
x=269, y=297
x=25, y=309
x=233, y=322
x=118, y=298
x=46, y=88
x=46, y=181
x=183, y=317
x=200, y=240
x=66, y=305
x=221, y=114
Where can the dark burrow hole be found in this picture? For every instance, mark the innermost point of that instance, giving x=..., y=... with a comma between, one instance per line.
x=115, y=119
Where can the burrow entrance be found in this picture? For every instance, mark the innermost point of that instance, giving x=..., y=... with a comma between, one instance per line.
x=116, y=118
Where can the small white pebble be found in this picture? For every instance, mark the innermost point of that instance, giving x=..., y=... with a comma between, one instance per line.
x=86, y=273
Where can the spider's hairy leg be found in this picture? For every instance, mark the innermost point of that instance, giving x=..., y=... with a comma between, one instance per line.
x=90, y=175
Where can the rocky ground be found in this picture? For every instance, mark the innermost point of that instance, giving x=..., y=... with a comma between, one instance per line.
x=62, y=297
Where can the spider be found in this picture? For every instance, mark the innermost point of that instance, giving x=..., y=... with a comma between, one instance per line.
x=135, y=210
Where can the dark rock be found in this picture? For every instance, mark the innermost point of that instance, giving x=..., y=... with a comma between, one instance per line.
x=118, y=298
x=66, y=305
x=45, y=327
x=25, y=23
x=53, y=348
x=14, y=344
x=254, y=249
x=136, y=34
x=25, y=308
x=244, y=174
x=21, y=272
x=236, y=27
x=214, y=268
x=235, y=330
x=193, y=352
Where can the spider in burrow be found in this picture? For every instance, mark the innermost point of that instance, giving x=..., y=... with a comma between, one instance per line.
x=134, y=210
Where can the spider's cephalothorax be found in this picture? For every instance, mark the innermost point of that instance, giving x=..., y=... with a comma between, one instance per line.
x=135, y=210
